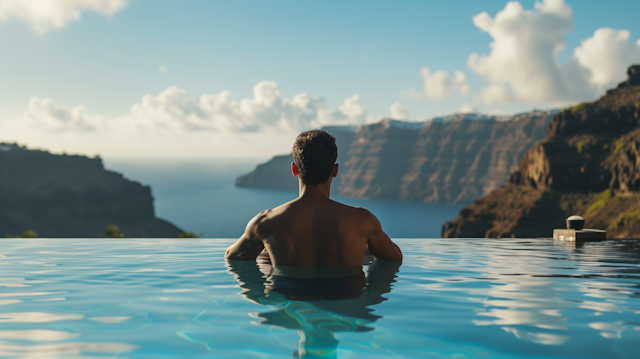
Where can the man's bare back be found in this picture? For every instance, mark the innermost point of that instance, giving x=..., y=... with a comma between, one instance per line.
x=313, y=230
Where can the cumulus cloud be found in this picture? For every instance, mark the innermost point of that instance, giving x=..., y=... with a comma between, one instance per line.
x=440, y=84
x=398, y=112
x=607, y=54
x=46, y=115
x=351, y=112
x=44, y=15
x=495, y=93
x=411, y=94
x=523, y=62
x=174, y=111
x=467, y=108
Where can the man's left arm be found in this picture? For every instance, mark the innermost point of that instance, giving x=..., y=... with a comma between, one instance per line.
x=249, y=245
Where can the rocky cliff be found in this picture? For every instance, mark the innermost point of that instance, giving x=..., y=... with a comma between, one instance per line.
x=72, y=196
x=450, y=159
x=589, y=164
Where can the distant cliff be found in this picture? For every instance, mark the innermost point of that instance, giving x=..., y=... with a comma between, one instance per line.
x=589, y=164
x=450, y=159
x=71, y=196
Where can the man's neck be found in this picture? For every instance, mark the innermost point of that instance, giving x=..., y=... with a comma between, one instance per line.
x=322, y=190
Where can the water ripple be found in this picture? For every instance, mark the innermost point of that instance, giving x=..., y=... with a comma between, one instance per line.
x=451, y=298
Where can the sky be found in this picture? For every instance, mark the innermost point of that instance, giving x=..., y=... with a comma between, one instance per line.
x=158, y=78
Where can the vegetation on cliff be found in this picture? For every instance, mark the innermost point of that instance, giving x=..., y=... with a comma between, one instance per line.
x=26, y=234
x=589, y=164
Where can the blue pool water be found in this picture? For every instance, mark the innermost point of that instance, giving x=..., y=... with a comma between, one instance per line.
x=171, y=298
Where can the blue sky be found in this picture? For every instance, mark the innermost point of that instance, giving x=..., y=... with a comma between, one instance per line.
x=330, y=49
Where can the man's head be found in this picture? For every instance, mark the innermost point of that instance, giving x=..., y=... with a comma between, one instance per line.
x=315, y=153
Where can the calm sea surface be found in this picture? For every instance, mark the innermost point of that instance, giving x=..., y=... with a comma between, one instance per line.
x=199, y=196
x=177, y=298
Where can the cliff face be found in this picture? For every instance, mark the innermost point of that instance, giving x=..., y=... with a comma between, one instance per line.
x=274, y=174
x=589, y=164
x=453, y=159
x=71, y=196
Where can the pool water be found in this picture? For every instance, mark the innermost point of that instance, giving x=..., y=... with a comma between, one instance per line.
x=450, y=298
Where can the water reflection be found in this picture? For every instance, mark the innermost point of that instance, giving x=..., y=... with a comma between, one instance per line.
x=59, y=350
x=317, y=304
x=37, y=335
x=36, y=317
x=531, y=308
x=532, y=297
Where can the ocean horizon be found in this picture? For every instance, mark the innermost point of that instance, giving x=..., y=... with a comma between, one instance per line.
x=200, y=196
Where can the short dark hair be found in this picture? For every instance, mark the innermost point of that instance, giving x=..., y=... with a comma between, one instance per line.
x=315, y=152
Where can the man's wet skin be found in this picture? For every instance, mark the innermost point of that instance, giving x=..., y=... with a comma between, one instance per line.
x=313, y=230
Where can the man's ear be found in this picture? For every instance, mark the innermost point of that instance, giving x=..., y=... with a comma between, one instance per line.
x=294, y=169
x=335, y=170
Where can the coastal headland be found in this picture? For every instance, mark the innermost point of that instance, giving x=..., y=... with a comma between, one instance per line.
x=72, y=196
x=588, y=164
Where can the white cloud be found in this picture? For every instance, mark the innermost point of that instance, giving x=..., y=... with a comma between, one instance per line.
x=351, y=112
x=175, y=112
x=523, y=62
x=411, y=94
x=495, y=93
x=607, y=55
x=44, y=15
x=172, y=124
x=46, y=115
x=440, y=84
x=467, y=108
x=398, y=112
x=162, y=69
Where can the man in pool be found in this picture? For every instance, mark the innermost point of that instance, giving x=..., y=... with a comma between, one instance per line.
x=313, y=230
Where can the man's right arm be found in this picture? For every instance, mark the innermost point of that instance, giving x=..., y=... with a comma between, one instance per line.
x=249, y=246
x=379, y=243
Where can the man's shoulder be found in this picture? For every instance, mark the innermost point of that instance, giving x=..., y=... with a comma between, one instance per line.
x=258, y=223
x=263, y=222
x=271, y=213
x=358, y=212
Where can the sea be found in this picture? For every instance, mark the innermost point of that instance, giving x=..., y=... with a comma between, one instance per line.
x=200, y=196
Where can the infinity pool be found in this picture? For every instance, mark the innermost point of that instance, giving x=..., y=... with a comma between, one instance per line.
x=451, y=298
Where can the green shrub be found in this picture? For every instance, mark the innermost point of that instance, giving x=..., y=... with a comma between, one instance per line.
x=629, y=218
x=568, y=206
x=189, y=235
x=29, y=234
x=113, y=232
x=602, y=198
x=619, y=145
x=26, y=234
x=577, y=107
